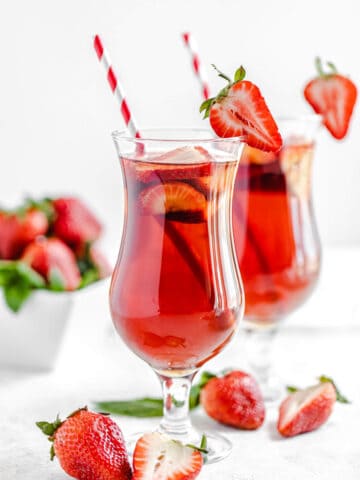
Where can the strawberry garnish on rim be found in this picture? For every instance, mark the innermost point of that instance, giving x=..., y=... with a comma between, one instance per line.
x=239, y=109
x=333, y=96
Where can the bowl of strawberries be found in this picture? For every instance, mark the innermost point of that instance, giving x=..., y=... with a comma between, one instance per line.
x=48, y=251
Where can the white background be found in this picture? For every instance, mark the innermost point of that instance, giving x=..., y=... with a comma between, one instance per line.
x=56, y=110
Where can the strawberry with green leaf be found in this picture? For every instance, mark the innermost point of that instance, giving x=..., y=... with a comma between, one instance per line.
x=305, y=410
x=333, y=96
x=54, y=261
x=158, y=457
x=239, y=109
x=89, y=446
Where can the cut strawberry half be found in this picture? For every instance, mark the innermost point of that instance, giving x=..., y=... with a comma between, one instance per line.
x=305, y=410
x=158, y=457
x=177, y=200
x=180, y=164
x=240, y=110
x=333, y=96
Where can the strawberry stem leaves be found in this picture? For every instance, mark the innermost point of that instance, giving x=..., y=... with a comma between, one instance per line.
x=221, y=74
x=239, y=74
x=320, y=70
x=339, y=396
x=323, y=379
x=238, y=77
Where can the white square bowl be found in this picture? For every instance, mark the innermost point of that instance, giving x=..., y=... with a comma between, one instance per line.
x=31, y=338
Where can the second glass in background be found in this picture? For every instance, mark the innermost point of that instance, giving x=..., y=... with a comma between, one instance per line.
x=276, y=238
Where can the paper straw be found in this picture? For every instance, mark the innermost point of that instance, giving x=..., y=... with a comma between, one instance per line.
x=115, y=86
x=191, y=45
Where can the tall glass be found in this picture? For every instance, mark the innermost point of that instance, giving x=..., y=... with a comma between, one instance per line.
x=176, y=296
x=276, y=239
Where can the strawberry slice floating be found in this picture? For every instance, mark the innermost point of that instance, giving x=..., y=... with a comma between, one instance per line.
x=177, y=200
x=333, y=96
x=158, y=457
x=178, y=164
x=240, y=110
x=306, y=410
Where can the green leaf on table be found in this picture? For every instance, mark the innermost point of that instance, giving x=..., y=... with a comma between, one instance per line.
x=291, y=388
x=151, y=407
x=140, y=407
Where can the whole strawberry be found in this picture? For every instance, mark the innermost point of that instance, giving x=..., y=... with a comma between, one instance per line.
x=74, y=223
x=307, y=409
x=89, y=446
x=234, y=399
x=55, y=262
x=19, y=228
x=333, y=96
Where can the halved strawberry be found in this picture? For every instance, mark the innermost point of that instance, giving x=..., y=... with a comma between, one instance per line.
x=176, y=200
x=158, y=457
x=333, y=96
x=55, y=261
x=178, y=164
x=305, y=410
x=240, y=110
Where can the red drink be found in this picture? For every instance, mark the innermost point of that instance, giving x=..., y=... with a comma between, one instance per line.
x=171, y=298
x=275, y=234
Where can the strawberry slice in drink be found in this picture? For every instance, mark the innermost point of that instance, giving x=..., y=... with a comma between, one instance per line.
x=177, y=201
x=178, y=164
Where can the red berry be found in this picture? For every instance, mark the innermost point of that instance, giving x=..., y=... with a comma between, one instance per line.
x=89, y=446
x=305, y=410
x=239, y=109
x=333, y=96
x=74, y=223
x=18, y=230
x=234, y=400
x=158, y=457
x=54, y=260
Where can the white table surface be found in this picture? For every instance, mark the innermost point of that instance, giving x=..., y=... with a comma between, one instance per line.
x=322, y=337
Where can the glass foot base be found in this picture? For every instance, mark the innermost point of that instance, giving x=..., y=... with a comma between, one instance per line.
x=218, y=447
x=273, y=390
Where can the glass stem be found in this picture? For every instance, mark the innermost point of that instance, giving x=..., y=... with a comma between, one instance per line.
x=259, y=348
x=176, y=421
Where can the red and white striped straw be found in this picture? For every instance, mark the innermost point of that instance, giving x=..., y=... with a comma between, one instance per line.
x=191, y=44
x=115, y=86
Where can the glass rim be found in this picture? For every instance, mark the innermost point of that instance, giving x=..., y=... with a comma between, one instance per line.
x=124, y=135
